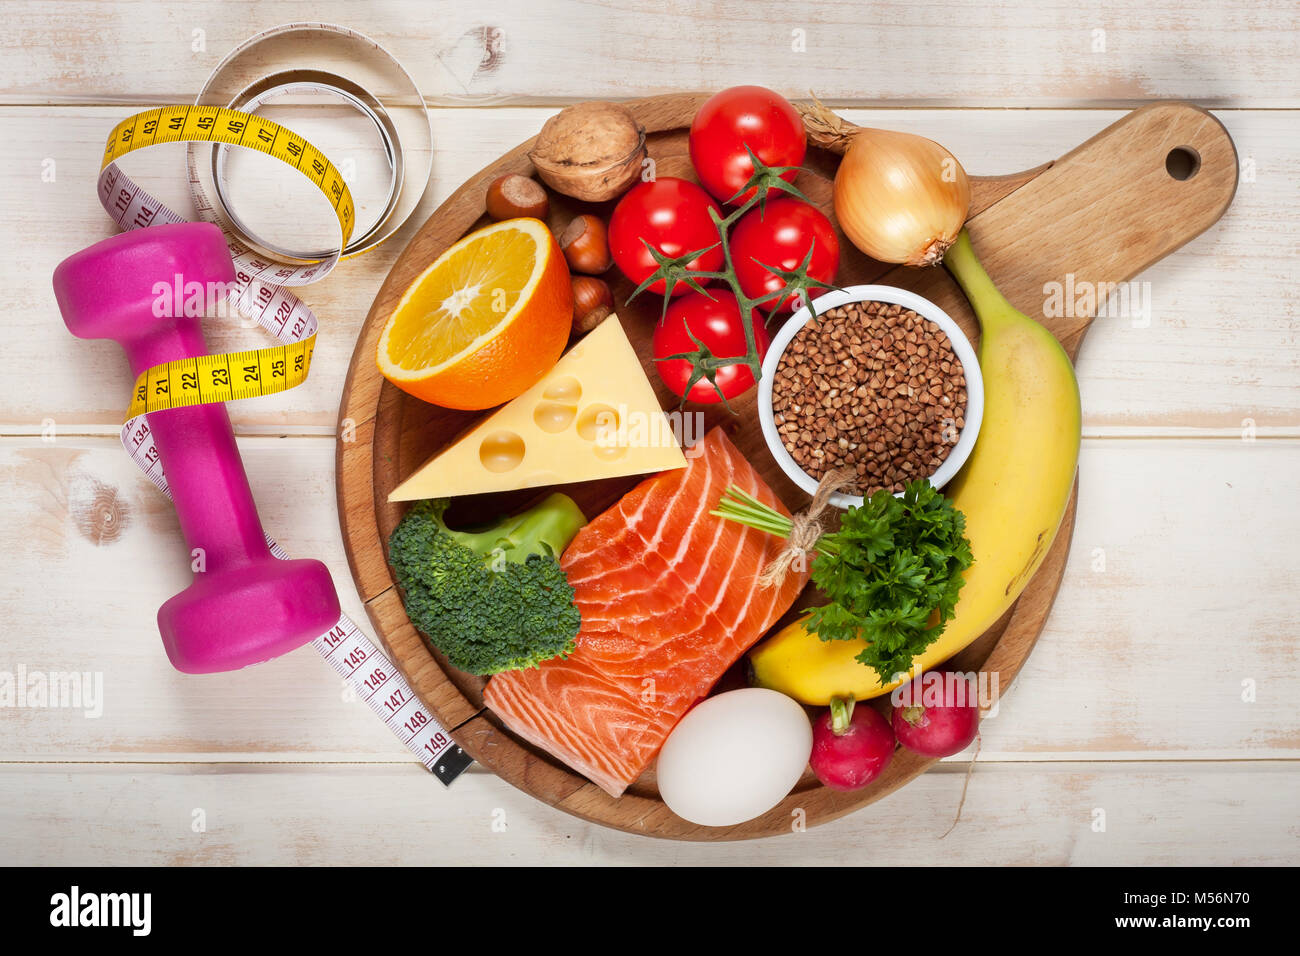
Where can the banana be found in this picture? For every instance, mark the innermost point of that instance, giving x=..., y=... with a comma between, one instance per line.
x=1013, y=489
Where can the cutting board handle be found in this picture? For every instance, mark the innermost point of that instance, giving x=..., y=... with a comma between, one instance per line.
x=1105, y=211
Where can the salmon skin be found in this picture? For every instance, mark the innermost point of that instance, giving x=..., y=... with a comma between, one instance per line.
x=669, y=599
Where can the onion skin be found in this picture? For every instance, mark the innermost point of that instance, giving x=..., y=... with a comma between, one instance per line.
x=892, y=200
x=900, y=198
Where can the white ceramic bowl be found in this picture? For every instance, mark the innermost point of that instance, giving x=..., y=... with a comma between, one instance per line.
x=873, y=293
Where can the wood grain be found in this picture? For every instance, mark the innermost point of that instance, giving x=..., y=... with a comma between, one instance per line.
x=1120, y=178
x=1179, y=587
x=1082, y=814
x=1182, y=586
x=1219, y=344
x=1004, y=53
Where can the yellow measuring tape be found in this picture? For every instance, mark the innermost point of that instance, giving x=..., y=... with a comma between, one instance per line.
x=216, y=124
x=261, y=290
x=221, y=378
x=233, y=375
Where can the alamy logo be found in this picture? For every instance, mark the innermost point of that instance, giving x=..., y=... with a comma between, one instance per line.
x=75, y=908
x=178, y=298
x=1077, y=298
x=625, y=428
x=77, y=690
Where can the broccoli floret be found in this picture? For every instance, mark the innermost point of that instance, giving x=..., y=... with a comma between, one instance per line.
x=491, y=599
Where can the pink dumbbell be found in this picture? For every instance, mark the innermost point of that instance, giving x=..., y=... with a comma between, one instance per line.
x=246, y=606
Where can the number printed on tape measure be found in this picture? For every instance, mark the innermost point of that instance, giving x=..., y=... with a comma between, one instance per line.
x=384, y=690
x=222, y=378
x=259, y=293
x=217, y=124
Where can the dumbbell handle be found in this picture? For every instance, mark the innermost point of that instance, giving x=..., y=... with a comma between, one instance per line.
x=246, y=606
x=196, y=446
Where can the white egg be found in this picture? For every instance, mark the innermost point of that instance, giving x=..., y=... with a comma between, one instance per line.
x=734, y=757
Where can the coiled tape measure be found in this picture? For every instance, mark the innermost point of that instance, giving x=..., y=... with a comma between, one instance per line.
x=261, y=290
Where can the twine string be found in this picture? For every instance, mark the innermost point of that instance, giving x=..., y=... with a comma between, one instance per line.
x=806, y=529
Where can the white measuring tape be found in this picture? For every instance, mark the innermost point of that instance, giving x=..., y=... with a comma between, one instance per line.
x=260, y=294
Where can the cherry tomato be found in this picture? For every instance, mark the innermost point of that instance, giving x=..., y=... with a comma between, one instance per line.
x=716, y=322
x=673, y=216
x=779, y=236
x=743, y=116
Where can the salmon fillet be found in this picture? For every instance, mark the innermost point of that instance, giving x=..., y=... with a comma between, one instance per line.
x=669, y=600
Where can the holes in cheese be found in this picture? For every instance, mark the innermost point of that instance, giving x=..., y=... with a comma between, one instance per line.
x=594, y=416
x=564, y=388
x=609, y=452
x=501, y=451
x=599, y=423
x=554, y=417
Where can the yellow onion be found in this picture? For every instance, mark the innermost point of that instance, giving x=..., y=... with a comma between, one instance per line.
x=898, y=197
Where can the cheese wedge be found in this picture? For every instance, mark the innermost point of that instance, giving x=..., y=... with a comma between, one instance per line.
x=595, y=415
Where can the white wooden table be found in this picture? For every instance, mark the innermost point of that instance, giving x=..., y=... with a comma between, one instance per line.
x=1157, y=720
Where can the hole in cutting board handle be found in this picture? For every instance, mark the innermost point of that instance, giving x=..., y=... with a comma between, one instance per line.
x=1182, y=163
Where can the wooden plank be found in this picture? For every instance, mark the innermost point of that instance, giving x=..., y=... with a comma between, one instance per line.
x=1219, y=345
x=1150, y=609
x=92, y=549
x=1220, y=349
x=1179, y=587
x=1221, y=814
x=1021, y=53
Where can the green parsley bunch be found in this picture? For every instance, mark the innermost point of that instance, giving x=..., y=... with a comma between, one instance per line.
x=892, y=572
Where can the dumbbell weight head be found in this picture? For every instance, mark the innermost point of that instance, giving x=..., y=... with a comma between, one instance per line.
x=111, y=290
x=245, y=605
x=247, y=614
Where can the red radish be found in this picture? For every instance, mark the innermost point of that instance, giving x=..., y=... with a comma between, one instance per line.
x=851, y=745
x=936, y=715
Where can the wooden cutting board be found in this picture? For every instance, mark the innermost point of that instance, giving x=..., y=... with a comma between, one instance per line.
x=1100, y=214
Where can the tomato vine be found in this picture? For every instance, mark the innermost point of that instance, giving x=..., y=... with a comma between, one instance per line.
x=673, y=270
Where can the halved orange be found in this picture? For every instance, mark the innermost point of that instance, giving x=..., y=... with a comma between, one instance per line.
x=484, y=322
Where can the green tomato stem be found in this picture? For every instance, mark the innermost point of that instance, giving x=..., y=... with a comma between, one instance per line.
x=745, y=304
x=703, y=364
